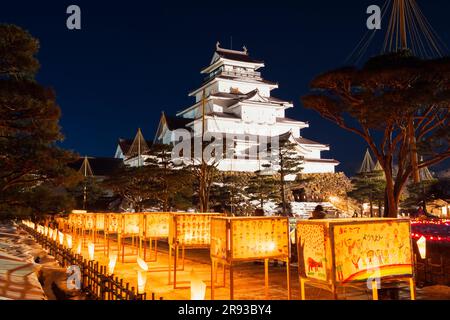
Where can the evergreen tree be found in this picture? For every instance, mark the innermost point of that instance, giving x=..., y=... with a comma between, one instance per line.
x=134, y=186
x=263, y=188
x=87, y=193
x=288, y=161
x=369, y=187
x=229, y=194
x=29, y=128
x=419, y=194
x=172, y=183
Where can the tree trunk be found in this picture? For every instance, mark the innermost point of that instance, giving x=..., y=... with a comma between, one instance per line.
x=392, y=200
x=283, y=196
x=371, y=208
x=380, y=214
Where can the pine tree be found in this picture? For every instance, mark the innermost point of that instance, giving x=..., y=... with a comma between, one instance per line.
x=263, y=188
x=288, y=161
x=369, y=187
x=172, y=183
x=229, y=193
x=29, y=118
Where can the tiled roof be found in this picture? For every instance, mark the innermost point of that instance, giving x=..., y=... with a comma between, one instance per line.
x=236, y=55
x=307, y=141
x=174, y=123
x=322, y=161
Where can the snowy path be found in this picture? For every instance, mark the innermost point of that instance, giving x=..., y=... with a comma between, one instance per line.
x=18, y=271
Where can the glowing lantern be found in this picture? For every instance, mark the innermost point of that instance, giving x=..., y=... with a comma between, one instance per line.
x=334, y=253
x=142, y=280
x=61, y=237
x=112, y=263
x=50, y=233
x=91, y=251
x=79, y=248
x=46, y=231
x=142, y=264
x=422, y=245
x=69, y=241
x=198, y=287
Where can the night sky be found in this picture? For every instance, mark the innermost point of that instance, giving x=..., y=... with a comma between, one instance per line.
x=134, y=59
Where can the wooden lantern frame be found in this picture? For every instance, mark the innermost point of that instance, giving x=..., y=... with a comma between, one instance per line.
x=112, y=229
x=331, y=283
x=124, y=233
x=151, y=235
x=177, y=240
x=228, y=258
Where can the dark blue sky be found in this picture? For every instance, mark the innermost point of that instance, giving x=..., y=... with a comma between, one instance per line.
x=133, y=59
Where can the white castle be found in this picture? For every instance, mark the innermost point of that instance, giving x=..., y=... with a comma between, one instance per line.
x=236, y=100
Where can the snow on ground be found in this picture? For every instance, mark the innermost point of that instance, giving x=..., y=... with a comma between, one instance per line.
x=18, y=271
x=23, y=262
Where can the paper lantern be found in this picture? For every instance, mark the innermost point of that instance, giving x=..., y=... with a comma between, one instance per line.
x=142, y=264
x=112, y=263
x=249, y=238
x=191, y=229
x=69, y=241
x=50, y=233
x=88, y=221
x=79, y=247
x=198, y=287
x=236, y=239
x=113, y=222
x=156, y=225
x=91, y=251
x=55, y=235
x=422, y=245
x=130, y=224
x=100, y=221
x=61, y=237
x=142, y=281
x=337, y=252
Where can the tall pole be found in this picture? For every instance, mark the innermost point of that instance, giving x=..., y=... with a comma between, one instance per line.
x=411, y=131
x=85, y=183
x=402, y=13
x=139, y=147
x=203, y=169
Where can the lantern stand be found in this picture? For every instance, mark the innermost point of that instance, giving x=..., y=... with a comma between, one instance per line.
x=332, y=284
x=224, y=253
x=178, y=231
x=111, y=228
x=143, y=245
x=155, y=226
x=122, y=246
x=126, y=232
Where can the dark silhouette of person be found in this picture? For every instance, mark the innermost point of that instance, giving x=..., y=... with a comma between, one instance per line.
x=318, y=213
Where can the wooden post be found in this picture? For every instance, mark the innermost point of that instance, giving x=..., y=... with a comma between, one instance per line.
x=212, y=277
x=231, y=282
x=175, y=266
x=170, y=262
x=412, y=287
x=302, y=289
x=266, y=278
x=288, y=274
x=374, y=289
